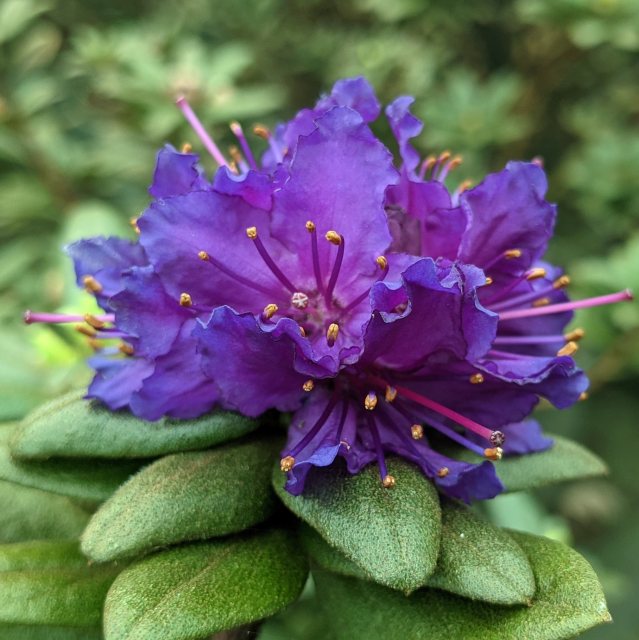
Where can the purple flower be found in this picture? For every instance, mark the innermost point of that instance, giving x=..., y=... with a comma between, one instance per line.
x=382, y=309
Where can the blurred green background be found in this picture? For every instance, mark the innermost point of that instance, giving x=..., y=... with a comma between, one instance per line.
x=86, y=97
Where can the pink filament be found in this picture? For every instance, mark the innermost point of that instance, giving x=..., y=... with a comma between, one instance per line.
x=200, y=131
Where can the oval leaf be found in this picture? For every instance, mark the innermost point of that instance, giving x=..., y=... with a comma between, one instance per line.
x=185, y=496
x=32, y=514
x=476, y=560
x=197, y=590
x=93, y=481
x=568, y=601
x=565, y=460
x=73, y=427
x=393, y=534
x=24, y=632
x=480, y=561
x=49, y=583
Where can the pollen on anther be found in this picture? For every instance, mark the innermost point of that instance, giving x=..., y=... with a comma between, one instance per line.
x=308, y=386
x=370, y=401
x=287, y=463
x=251, y=232
x=575, y=334
x=476, y=378
x=568, y=349
x=488, y=281
x=494, y=453
x=185, y=300
x=561, y=282
x=203, y=255
x=332, y=333
x=333, y=237
x=91, y=284
x=187, y=147
x=261, y=131
x=126, y=348
x=390, y=394
x=310, y=226
x=542, y=302
x=536, y=273
x=269, y=311
x=96, y=323
x=443, y=472
x=302, y=331
x=382, y=262
x=86, y=331
x=511, y=254
x=584, y=395
x=388, y=482
x=134, y=223
x=417, y=431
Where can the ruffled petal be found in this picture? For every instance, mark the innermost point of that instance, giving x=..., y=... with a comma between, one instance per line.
x=116, y=380
x=404, y=126
x=176, y=173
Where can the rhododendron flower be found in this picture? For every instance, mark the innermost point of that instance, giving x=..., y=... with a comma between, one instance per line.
x=369, y=300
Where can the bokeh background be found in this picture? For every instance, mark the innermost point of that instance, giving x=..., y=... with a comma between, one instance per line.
x=86, y=98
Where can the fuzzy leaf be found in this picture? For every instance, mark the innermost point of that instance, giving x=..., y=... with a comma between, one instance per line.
x=565, y=460
x=50, y=583
x=476, y=560
x=73, y=427
x=185, y=496
x=32, y=514
x=568, y=601
x=199, y=589
x=38, y=632
x=393, y=534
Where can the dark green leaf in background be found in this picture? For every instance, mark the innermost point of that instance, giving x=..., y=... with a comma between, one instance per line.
x=39, y=632
x=393, y=534
x=32, y=514
x=186, y=496
x=568, y=601
x=50, y=583
x=193, y=591
x=72, y=427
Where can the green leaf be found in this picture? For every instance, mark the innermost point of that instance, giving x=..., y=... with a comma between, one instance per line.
x=480, y=561
x=393, y=534
x=476, y=560
x=566, y=460
x=33, y=632
x=568, y=601
x=185, y=496
x=73, y=427
x=199, y=589
x=32, y=514
x=93, y=480
x=49, y=583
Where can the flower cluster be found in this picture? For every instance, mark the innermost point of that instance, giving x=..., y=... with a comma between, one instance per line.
x=386, y=311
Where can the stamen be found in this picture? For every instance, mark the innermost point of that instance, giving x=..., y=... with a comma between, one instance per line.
x=251, y=232
x=542, y=302
x=310, y=227
x=370, y=401
x=334, y=238
x=382, y=262
x=583, y=396
x=187, y=147
x=86, y=331
x=308, y=386
x=269, y=311
x=494, y=453
x=91, y=284
x=443, y=472
x=236, y=128
x=426, y=166
x=450, y=166
x=561, y=282
x=536, y=273
x=569, y=349
x=264, y=133
x=200, y=131
x=417, y=431
x=302, y=331
x=476, y=378
x=287, y=463
x=238, y=159
x=185, y=300
x=387, y=480
x=469, y=424
x=443, y=157
x=488, y=281
x=332, y=333
x=531, y=274
x=390, y=394
x=509, y=254
x=512, y=254
x=134, y=223
x=205, y=257
x=31, y=317
x=620, y=296
x=313, y=431
x=94, y=321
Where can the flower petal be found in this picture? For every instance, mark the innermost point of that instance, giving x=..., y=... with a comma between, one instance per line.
x=176, y=173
